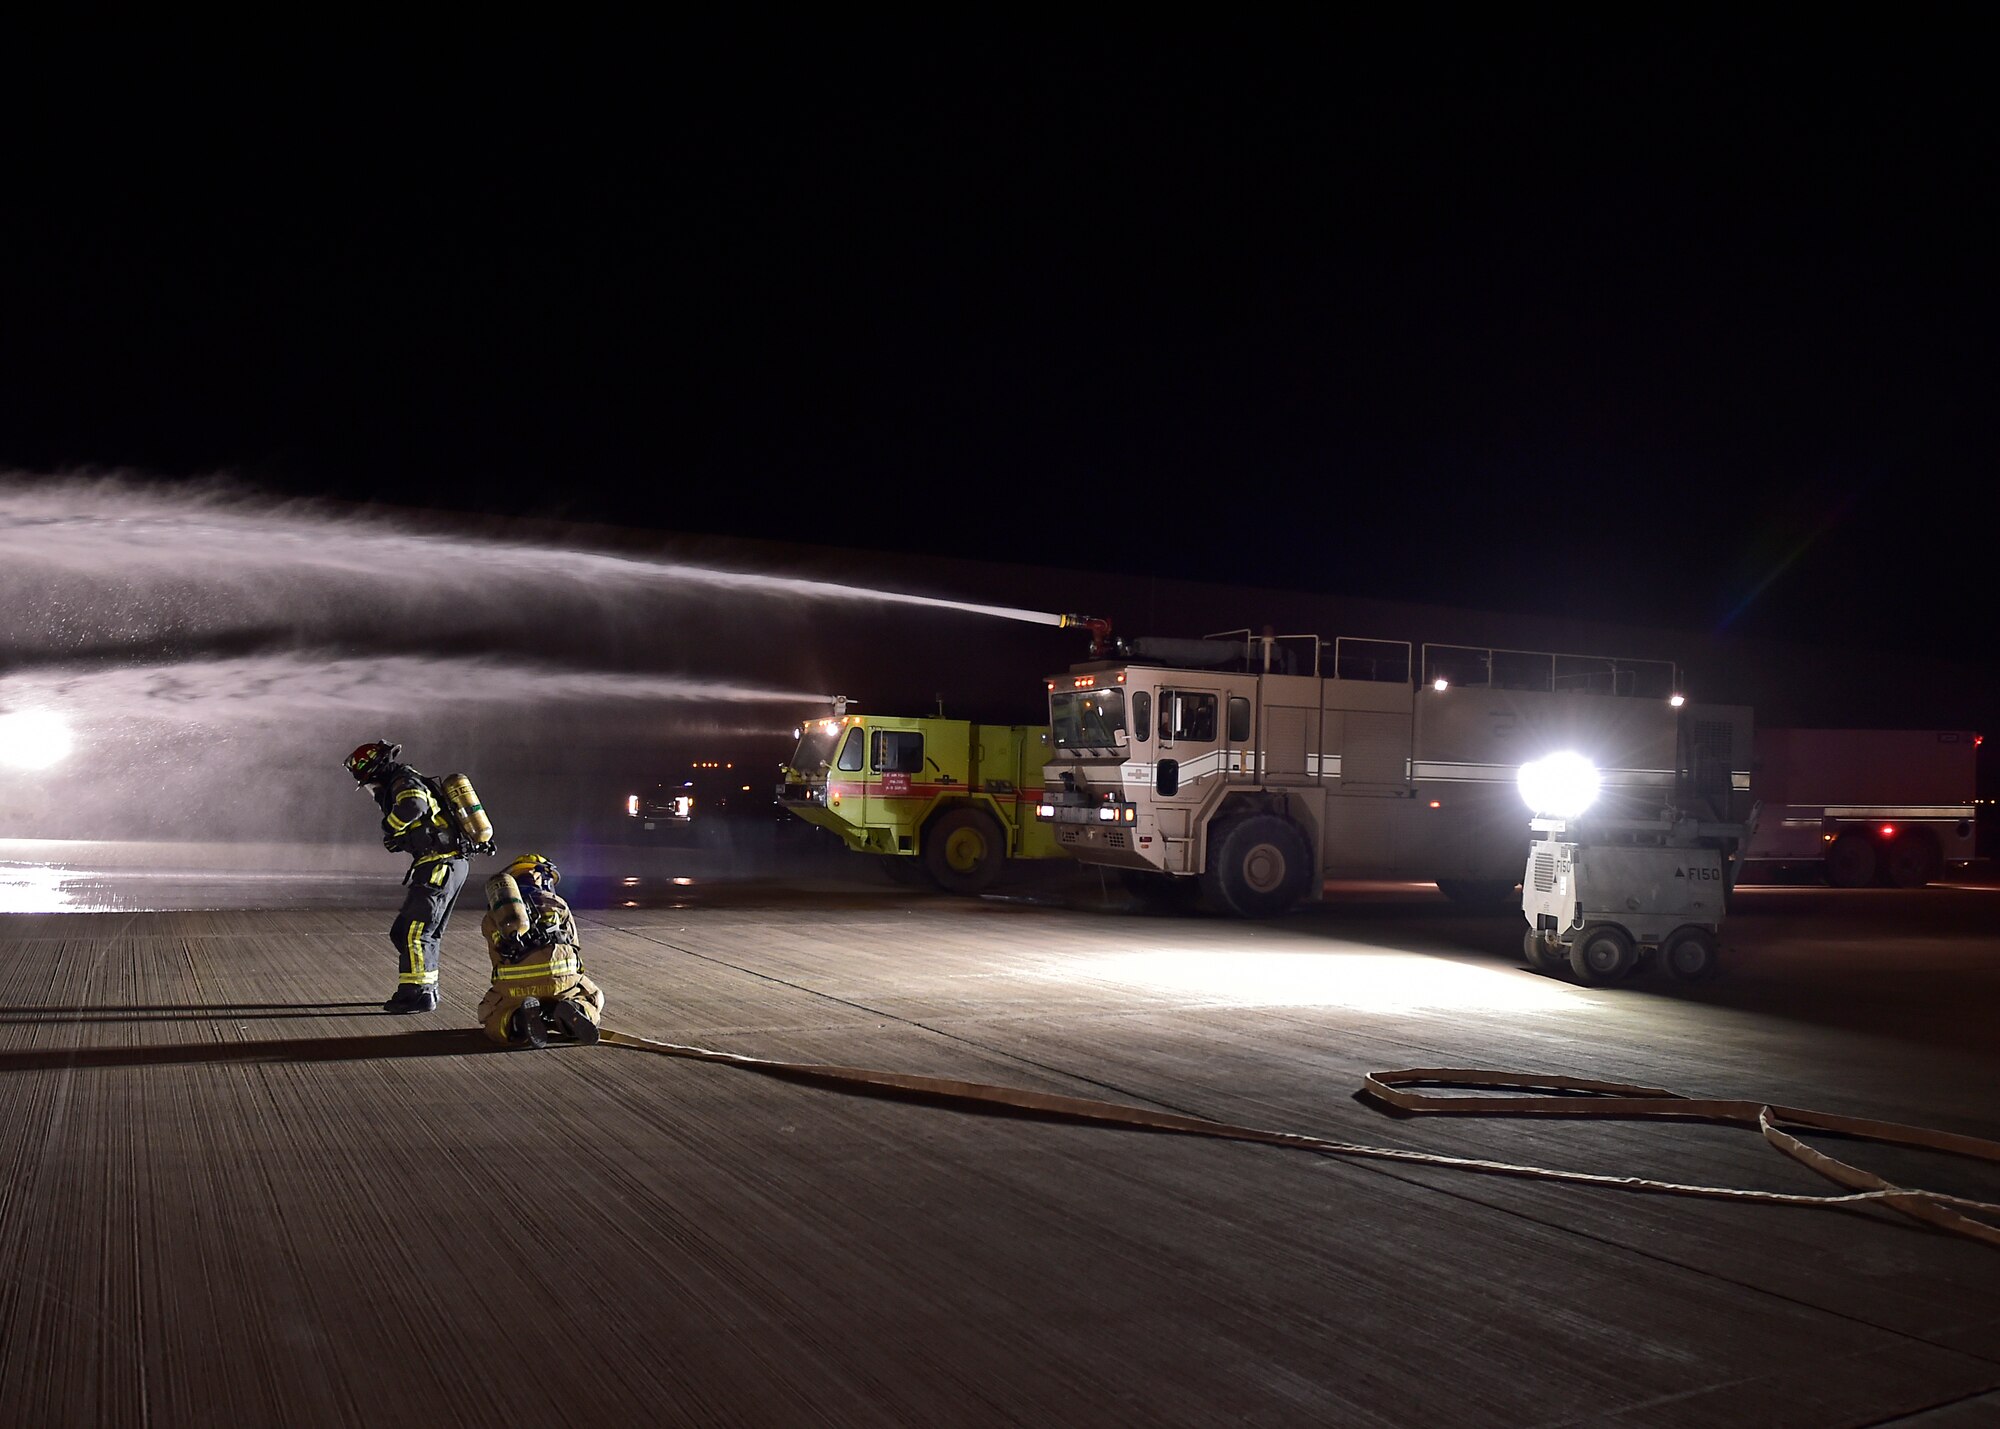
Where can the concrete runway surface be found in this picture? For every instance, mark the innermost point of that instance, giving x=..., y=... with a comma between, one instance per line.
x=232, y=1191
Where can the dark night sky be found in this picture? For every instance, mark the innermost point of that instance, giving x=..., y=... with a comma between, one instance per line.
x=1695, y=318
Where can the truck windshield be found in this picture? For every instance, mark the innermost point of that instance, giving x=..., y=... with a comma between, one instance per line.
x=1087, y=719
x=815, y=750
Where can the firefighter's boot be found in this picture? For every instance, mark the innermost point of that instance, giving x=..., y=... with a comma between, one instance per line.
x=412, y=998
x=568, y=1017
x=526, y=1028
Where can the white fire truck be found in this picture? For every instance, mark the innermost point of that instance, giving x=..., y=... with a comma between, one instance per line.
x=1244, y=769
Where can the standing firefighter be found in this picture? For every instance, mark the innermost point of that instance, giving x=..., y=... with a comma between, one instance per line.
x=538, y=984
x=436, y=822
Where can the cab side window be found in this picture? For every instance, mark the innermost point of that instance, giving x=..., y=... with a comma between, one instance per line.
x=899, y=751
x=1142, y=715
x=851, y=750
x=1186, y=715
x=1239, y=719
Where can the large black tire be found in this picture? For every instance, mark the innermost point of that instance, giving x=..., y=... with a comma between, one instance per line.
x=1161, y=891
x=1850, y=863
x=1911, y=859
x=1542, y=956
x=1690, y=954
x=1258, y=866
x=964, y=850
x=1602, y=955
x=1484, y=895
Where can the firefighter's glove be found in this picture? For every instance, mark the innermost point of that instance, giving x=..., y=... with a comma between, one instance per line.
x=510, y=947
x=486, y=849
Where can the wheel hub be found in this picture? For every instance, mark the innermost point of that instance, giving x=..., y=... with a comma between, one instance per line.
x=1264, y=868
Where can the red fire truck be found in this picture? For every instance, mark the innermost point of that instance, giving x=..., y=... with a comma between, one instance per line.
x=1864, y=806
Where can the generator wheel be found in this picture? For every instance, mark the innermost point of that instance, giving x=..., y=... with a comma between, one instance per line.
x=1850, y=863
x=1911, y=859
x=964, y=850
x=1602, y=955
x=1690, y=954
x=1258, y=866
x=1542, y=956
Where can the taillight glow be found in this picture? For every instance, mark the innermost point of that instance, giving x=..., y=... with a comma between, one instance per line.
x=1888, y=831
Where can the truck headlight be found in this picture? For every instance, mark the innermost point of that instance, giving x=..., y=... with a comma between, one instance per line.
x=1046, y=811
x=1560, y=786
x=1108, y=814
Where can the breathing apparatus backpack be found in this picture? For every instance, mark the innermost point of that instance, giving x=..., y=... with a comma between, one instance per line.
x=455, y=795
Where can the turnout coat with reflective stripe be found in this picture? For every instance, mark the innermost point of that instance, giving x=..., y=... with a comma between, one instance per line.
x=552, y=970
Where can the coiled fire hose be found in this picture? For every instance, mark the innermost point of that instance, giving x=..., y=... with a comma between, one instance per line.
x=1572, y=1097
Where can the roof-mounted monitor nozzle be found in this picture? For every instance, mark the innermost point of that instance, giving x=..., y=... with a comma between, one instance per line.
x=1100, y=632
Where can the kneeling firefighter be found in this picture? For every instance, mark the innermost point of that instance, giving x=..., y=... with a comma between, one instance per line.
x=539, y=989
x=437, y=822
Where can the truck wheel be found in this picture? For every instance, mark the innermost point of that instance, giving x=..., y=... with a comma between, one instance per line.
x=1603, y=955
x=964, y=850
x=1258, y=866
x=1690, y=955
x=1161, y=891
x=1850, y=863
x=1911, y=859
x=1543, y=957
x=1488, y=895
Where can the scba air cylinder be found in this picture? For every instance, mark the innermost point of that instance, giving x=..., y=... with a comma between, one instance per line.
x=467, y=811
x=504, y=902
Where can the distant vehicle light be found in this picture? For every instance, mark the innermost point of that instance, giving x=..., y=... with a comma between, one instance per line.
x=1440, y=684
x=1559, y=786
x=1437, y=803
x=1676, y=700
x=1888, y=831
x=632, y=805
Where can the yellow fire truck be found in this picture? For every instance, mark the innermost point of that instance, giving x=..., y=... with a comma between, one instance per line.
x=1243, y=770
x=939, y=799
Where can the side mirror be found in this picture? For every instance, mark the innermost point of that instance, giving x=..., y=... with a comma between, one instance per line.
x=1167, y=778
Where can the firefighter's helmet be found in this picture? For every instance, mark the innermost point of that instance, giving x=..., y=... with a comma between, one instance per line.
x=372, y=760
x=534, y=866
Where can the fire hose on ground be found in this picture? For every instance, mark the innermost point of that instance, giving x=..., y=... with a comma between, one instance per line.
x=1566, y=1097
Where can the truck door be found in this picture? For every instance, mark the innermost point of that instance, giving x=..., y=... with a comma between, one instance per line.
x=1190, y=762
x=896, y=770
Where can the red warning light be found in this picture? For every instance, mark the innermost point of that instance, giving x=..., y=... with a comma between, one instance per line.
x=1888, y=831
x=1977, y=740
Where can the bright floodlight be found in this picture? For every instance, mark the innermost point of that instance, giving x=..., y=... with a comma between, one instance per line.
x=33, y=739
x=1560, y=786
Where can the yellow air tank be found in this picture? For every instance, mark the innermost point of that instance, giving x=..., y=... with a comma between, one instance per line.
x=504, y=902
x=467, y=811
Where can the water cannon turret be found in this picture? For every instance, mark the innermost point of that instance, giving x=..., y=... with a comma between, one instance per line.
x=840, y=703
x=1100, y=632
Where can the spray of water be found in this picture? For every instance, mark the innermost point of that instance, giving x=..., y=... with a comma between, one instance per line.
x=213, y=652
x=266, y=688
x=90, y=561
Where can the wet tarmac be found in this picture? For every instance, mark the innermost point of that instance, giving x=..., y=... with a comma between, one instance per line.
x=232, y=1190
